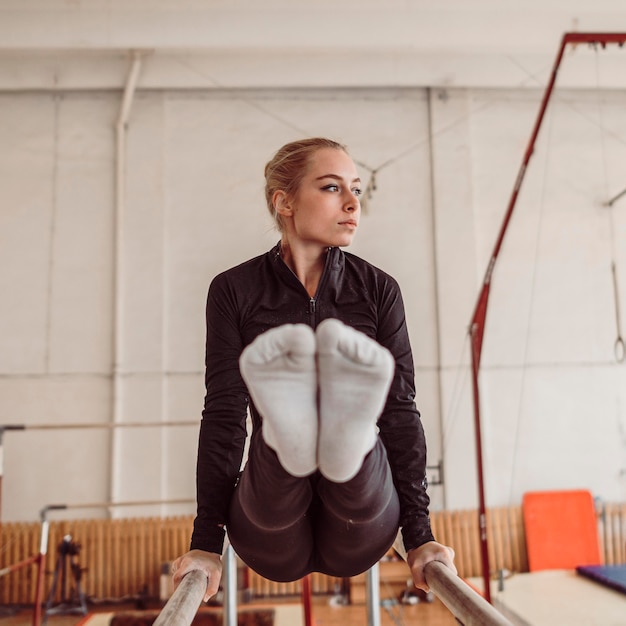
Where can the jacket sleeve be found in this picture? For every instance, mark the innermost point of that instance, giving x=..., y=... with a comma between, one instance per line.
x=223, y=427
x=400, y=425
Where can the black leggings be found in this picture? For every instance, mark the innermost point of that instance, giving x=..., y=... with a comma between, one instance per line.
x=285, y=527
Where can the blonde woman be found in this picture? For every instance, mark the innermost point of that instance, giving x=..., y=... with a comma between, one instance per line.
x=314, y=340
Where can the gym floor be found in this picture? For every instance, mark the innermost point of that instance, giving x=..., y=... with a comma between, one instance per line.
x=424, y=613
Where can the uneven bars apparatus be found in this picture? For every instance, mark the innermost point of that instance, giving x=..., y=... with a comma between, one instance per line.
x=39, y=559
x=477, y=324
x=184, y=602
x=191, y=591
x=78, y=425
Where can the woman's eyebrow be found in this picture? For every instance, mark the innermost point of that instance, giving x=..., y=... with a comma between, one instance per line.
x=336, y=177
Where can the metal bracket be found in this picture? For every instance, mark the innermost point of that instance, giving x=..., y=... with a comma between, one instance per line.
x=434, y=474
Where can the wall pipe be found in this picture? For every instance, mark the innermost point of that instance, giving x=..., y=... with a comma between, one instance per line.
x=3, y=428
x=118, y=260
x=92, y=425
x=436, y=288
x=477, y=325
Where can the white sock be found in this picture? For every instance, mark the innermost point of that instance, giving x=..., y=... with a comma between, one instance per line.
x=354, y=376
x=279, y=370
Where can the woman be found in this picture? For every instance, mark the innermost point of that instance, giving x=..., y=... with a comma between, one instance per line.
x=316, y=338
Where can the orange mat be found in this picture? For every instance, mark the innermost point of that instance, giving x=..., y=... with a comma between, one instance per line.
x=561, y=530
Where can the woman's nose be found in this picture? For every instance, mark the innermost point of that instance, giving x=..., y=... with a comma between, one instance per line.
x=351, y=202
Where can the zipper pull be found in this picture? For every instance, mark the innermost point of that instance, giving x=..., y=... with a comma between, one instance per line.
x=312, y=306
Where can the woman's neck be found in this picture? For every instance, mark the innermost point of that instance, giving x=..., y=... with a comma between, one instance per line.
x=306, y=262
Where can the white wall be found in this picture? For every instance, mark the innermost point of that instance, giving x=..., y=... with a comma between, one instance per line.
x=552, y=393
x=446, y=119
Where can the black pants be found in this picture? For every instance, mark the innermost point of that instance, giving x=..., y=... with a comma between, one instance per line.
x=285, y=527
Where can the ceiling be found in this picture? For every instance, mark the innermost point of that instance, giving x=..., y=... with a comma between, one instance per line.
x=282, y=43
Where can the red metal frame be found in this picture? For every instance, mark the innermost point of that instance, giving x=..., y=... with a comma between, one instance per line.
x=307, y=601
x=477, y=325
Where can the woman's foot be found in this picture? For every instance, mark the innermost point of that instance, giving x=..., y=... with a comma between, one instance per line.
x=354, y=376
x=279, y=369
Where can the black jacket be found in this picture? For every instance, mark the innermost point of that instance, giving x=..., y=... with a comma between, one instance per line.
x=263, y=293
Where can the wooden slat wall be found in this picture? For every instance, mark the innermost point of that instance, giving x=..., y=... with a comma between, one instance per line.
x=505, y=536
x=320, y=584
x=612, y=522
x=123, y=557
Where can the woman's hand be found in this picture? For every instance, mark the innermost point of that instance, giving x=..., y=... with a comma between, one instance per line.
x=208, y=562
x=427, y=552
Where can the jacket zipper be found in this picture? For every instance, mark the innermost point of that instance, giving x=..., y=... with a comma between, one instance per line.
x=313, y=299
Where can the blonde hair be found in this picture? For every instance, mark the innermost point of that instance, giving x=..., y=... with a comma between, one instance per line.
x=288, y=166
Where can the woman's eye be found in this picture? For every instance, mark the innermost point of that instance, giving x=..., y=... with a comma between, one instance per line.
x=357, y=192
x=331, y=188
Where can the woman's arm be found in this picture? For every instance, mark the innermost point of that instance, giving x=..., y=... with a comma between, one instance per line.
x=400, y=425
x=223, y=427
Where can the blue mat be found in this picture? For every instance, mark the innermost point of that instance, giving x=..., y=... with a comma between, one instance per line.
x=613, y=576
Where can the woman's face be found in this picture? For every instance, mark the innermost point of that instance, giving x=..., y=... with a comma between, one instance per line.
x=325, y=210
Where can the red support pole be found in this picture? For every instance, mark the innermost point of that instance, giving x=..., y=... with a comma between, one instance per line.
x=482, y=509
x=307, y=601
x=477, y=325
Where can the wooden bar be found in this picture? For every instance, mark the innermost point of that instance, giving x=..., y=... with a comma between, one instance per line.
x=467, y=606
x=182, y=607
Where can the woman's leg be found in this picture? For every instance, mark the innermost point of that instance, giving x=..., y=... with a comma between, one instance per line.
x=269, y=521
x=279, y=529
x=358, y=520
x=269, y=525
x=280, y=372
x=354, y=376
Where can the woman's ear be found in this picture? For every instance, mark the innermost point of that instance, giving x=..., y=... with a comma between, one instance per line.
x=281, y=203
